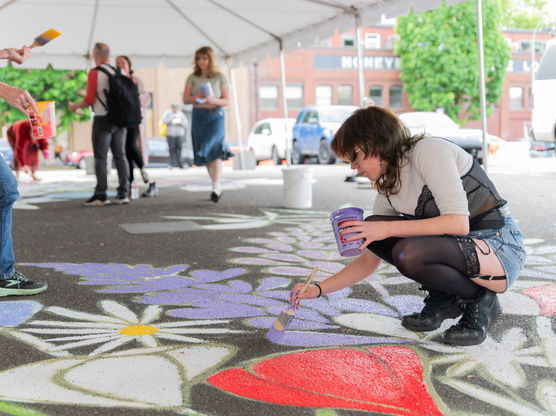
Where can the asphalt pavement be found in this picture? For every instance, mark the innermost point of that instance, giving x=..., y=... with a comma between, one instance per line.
x=162, y=306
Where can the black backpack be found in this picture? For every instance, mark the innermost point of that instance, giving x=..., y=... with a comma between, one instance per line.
x=122, y=99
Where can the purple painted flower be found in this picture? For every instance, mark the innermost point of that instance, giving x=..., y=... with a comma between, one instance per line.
x=214, y=294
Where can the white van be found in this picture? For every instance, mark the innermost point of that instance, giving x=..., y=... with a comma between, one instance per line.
x=544, y=96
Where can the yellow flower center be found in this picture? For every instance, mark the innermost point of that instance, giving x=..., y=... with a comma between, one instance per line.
x=135, y=330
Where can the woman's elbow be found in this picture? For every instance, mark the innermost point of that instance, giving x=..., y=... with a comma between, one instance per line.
x=462, y=227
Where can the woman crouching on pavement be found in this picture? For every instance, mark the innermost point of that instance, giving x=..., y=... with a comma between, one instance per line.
x=437, y=218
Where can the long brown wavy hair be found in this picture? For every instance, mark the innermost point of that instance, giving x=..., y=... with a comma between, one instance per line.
x=212, y=69
x=377, y=132
x=131, y=71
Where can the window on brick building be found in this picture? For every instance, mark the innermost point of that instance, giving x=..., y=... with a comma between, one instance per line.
x=396, y=96
x=516, y=98
x=372, y=41
x=268, y=95
x=323, y=95
x=391, y=41
x=348, y=39
x=345, y=95
x=294, y=96
x=375, y=94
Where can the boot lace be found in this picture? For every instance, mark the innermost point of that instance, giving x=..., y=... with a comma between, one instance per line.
x=434, y=301
x=470, y=317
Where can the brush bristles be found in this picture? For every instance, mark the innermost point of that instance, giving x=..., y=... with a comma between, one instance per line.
x=47, y=36
x=283, y=319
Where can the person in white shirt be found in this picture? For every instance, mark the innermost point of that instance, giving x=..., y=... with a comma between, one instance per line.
x=437, y=218
x=177, y=124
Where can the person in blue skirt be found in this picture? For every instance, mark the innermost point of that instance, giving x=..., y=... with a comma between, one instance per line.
x=207, y=89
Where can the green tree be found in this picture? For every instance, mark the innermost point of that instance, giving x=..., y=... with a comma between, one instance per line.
x=524, y=14
x=47, y=84
x=439, y=58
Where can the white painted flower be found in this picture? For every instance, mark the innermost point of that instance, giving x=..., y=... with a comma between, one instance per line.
x=387, y=326
x=119, y=326
x=500, y=361
x=141, y=378
x=226, y=221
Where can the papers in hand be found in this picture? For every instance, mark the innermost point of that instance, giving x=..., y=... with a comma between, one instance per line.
x=206, y=90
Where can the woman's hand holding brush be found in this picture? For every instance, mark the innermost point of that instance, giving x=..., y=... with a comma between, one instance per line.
x=305, y=290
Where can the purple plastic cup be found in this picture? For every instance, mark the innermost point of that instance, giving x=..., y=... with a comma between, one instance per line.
x=339, y=217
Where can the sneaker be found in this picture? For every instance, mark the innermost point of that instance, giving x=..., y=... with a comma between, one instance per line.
x=18, y=284
x=439, y=306
x=121, y=200
x=97, y=201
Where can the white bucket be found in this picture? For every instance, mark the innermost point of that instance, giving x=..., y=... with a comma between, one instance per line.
x=298, y=187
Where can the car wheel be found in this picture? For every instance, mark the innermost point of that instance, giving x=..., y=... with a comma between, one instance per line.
x=296, y=155
x=274, y=156
x=324, y=156
x=82, y=164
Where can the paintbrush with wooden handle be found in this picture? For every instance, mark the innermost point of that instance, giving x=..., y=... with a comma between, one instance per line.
x=286, y=315
x=45, y=37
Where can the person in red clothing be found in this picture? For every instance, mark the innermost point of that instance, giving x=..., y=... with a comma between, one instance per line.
x=26, y=148
x=105, y=134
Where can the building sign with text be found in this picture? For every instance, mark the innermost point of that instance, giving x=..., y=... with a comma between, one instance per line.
x=392, y=63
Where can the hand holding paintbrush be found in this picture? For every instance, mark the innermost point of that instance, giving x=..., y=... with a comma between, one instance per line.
x=286, y=315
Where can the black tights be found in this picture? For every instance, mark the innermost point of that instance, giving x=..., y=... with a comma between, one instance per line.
x=132, y=152
x=436, y=262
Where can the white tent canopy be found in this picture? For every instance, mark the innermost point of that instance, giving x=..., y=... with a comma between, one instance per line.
x=169, y=31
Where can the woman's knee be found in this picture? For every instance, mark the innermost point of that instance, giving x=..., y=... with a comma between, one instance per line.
x=405, y=258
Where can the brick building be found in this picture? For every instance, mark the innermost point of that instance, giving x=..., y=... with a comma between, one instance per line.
x=327, y=74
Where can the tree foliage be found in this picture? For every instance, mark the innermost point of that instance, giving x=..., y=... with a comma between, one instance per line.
x=524, y=14
x=439, y=58
x=62, y=86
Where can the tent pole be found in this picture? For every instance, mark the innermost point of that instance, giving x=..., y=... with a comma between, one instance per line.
x=482, y=81
x=359, y=44
x=284, y=102
x=236, y=114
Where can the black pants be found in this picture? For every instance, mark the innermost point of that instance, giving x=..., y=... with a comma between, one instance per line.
x=132, y=152
x=174, y=148
x=107, y=136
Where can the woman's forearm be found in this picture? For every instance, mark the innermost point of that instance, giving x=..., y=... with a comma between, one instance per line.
x=360, y=268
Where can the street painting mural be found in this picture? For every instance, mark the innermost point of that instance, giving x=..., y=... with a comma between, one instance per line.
x=184, y=328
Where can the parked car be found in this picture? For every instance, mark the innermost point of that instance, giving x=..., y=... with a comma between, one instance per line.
x=6, y=150
x=440, y=125
x=541, y=149
x=314, y=129
x=77, y=159
x=159, y=155
x=267, y=138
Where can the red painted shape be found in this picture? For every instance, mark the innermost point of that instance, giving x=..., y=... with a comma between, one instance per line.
x=384, y=379
x=545, y=296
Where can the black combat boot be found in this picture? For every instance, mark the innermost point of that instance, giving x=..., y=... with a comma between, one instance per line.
x=438, y=307
x=152, y=191
x=478, y=315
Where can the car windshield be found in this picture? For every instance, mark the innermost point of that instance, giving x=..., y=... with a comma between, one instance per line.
x=335, y=115
x=429, y=121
